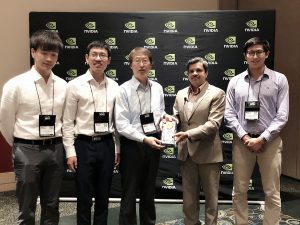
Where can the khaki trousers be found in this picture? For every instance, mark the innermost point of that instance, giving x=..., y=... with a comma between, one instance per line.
x=269, y=162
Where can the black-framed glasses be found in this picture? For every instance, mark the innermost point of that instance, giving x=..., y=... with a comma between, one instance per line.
x=258, y=53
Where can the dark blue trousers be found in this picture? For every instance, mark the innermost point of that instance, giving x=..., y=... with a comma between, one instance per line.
x=93, y=179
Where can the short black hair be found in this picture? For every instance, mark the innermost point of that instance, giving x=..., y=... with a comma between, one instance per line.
x=256, y=41
x=196, y=60
x=98, y=44
x=46, y=40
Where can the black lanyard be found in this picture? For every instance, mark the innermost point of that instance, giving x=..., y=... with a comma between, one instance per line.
x=41, y=113
x=140, y=99
x=94, y=99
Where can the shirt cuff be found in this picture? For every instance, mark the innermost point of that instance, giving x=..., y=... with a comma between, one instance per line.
x=70, y=152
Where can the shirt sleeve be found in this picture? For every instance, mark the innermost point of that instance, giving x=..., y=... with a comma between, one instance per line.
x=8, y=111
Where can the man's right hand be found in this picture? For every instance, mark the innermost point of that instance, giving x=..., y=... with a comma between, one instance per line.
x=72, y=163
x=153, y=142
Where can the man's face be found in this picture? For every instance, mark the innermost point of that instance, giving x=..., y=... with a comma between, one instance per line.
x=44, y=61
x=140, y=65
x=256, y=56
x=196, y=74
x=97, y=59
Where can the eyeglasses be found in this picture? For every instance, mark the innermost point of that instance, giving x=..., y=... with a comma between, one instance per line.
x=101, y=56
x=139, y=61
x=258, y=53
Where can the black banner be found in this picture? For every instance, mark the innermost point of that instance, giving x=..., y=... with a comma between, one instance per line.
x=173, y=38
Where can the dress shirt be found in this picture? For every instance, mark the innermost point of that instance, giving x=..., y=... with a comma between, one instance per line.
x=20, y=104
x=84, y=97
x=134, y=100
x=272, y=90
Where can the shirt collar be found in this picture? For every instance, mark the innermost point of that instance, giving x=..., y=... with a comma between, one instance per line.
x=266, y=73
x=199, y=89
x=89, y=77
x=136, y=84
x=37, y=76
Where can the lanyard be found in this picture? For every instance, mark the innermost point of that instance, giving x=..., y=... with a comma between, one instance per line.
x=40, y=100
x=94, y=99
x=258, y=97
x=140, y=99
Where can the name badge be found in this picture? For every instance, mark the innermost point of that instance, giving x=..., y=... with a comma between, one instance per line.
x=147, y=122
x=101, y=122
x=47, y=125
x=252, y=110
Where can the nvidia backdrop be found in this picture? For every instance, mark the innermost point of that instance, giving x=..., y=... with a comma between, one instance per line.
x=173, y=38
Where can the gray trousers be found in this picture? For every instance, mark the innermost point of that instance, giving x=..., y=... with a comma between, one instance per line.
x=39, y=171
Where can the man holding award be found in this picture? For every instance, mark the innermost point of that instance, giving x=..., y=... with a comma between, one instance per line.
x=200, y=109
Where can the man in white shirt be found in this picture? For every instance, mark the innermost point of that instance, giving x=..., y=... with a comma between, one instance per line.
x=31, y=120
x=89, y=137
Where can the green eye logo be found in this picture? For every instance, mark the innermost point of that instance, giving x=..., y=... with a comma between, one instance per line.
x=230, y=72
x=252, y=23
x=151, y=73
x=111, y=41
x=210, y=56
x=71, y=41
x=127, y=57
x=190, y=40
x=111, y=73
x=211, y=24
x=91, y=25
x=168, y=181
x=169, y=125
x=72, y=72
x=51, y=25
x=171, y=25
x=170, y=89
x=130, y=25
x=231, y=40
x=227, y=167
x=228, y=136
x=186, y=73
x=170, y=57
x=150, y=41
x=169, y=151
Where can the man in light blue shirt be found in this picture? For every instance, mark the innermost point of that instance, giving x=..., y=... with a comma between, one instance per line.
x=139, y=109
x=257, y=107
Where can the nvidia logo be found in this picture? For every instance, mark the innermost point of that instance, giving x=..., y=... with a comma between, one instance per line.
x=72, y=72
x=71, y=41
x=190, y=40
x=231, y=40
x=150, y=41
x=130, y=25
x=170, y=57
x=227, y=167
x=169, y=125
x=127, y=57
x=186, y=73
x=168, y=181
x=91, y=25
x=230, y=72
x=111, y=41
x=111, y=73
x=169, y=151
x=151, y=73
x=171, y=25
x=211, y=24
x=170, y=89
x=252, y=23
x=228, y=136
x=210, y=56
x=51, y=25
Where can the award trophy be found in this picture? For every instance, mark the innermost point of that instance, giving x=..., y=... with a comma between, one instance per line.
x=167, y=134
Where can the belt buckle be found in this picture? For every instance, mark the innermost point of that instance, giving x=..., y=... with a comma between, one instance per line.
x=48, y=141
x=96, y=138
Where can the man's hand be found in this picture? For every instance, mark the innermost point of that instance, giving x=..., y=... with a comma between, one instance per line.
x=253, y=144
x=72, y=163
x=180, y=136
x=153, y=142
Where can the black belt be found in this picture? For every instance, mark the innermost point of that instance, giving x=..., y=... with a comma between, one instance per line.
x=254, y=135
x=48, y=141
x=94, y=138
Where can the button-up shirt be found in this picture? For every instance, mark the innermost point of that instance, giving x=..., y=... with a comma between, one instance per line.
x=27, y=96
x=271, y=90
x=134, y=100
x=84, y=97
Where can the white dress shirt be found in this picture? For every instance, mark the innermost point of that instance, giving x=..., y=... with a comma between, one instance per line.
x=20, y=104
x=84, y=97
x=134, y=100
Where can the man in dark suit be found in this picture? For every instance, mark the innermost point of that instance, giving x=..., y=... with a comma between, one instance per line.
x=200, y=109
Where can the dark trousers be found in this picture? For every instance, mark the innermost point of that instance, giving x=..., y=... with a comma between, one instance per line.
x=39, y=171
x=138, y=167
x=93, y=179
